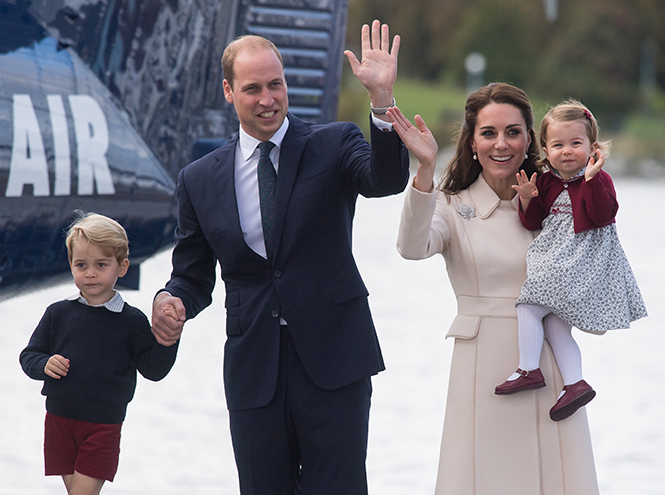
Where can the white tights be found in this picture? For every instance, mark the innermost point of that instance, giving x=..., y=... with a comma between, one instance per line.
x=535, y=321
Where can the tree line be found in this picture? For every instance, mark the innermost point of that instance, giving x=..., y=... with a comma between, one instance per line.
x=610, y=54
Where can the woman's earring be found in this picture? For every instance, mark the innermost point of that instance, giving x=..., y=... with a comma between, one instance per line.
x=526, y=155
x=475, y=157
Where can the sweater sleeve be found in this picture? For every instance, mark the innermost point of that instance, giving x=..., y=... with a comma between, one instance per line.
x=537, y=211
x=152, y=360
x=599, y=199
x=34, y=357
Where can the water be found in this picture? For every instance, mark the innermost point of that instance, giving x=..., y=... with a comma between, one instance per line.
x=176, y=440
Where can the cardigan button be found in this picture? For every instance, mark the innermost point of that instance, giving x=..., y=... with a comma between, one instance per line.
x=275, y=313
x=566, y=186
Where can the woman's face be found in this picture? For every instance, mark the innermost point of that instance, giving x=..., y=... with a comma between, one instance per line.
x=500, y=140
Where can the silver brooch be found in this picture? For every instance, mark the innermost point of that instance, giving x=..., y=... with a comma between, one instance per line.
x=467, y=212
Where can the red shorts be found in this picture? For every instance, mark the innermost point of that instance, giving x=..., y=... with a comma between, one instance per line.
x=92, y=449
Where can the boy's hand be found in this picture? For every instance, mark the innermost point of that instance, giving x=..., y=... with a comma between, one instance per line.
x=168, y=318
x=169, y=310
x=57, y=366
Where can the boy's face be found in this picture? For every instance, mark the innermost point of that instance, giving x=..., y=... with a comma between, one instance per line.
x=94, y=272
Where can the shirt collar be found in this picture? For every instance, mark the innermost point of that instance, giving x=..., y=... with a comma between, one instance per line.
x=115, y=304
x=249, y=143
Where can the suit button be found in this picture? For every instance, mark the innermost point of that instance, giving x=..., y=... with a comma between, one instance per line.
x=275, y=313
x=278, y=273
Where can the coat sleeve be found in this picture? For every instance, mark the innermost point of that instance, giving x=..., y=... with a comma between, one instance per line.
x=375, y=170
x=193, y=275
x=423, y=230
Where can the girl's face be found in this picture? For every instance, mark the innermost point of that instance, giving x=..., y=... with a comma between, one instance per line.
x=568, y=147
x=500, y=140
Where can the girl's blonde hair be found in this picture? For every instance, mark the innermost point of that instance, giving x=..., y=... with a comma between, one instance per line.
x=572, y=110
x=103, y=232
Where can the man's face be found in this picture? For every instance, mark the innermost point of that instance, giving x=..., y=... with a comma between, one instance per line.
x=258, y=93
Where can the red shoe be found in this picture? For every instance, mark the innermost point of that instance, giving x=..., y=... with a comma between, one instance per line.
x=574, y=396
x=529, y=380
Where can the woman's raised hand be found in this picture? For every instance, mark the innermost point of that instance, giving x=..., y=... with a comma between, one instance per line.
x=419, y=141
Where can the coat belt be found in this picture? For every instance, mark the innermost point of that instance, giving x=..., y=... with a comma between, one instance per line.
x=501, y=307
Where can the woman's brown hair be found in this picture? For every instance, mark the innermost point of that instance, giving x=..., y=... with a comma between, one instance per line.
x=463, y=170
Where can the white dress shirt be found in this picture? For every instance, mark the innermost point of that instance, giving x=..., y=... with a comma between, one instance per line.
x=247, y=185
x=247, y=182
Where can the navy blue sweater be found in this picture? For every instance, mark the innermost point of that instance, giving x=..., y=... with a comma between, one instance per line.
x=104, y=350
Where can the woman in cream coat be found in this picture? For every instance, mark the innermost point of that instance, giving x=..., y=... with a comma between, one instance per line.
x=492, y=445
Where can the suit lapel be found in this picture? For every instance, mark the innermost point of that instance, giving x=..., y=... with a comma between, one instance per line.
x=293, y=145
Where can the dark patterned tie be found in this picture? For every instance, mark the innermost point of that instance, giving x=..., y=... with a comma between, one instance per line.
x=267, y=182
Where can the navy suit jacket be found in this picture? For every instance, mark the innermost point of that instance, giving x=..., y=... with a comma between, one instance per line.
x=312, y=280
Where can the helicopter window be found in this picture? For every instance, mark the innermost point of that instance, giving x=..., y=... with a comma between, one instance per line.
x=18, y=27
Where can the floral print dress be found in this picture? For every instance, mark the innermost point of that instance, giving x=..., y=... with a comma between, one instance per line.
x=584, y=278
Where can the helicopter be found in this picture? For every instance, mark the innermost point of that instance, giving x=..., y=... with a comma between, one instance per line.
x=102, y=102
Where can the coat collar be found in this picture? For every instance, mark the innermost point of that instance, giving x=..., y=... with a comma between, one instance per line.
x=485, y=199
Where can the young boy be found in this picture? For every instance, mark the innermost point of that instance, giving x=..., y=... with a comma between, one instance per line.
x=87, y=350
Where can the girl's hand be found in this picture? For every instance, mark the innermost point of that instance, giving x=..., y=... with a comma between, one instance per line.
x=594, y=167
x=419, y=141
x=57, y=366
x=526, y=188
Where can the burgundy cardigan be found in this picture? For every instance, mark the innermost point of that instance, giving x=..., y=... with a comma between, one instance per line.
x=594, y=202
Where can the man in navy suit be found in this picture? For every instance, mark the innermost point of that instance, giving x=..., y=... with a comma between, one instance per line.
x=301, y=346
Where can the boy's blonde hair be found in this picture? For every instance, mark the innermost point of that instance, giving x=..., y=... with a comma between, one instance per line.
x=103, y=232
x=572, y=110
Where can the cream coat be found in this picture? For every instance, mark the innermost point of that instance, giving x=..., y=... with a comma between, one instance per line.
x=493, y=445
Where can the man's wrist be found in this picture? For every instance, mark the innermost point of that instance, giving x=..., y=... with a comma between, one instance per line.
x=381, y=110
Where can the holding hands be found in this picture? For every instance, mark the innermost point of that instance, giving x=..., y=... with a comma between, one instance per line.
x=168, y=318
x=378, y=69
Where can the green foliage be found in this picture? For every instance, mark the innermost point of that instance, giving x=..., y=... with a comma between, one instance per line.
x=440, y=105
x=591, y=52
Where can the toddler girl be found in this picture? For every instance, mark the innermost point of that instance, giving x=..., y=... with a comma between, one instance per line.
x=577, y=272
